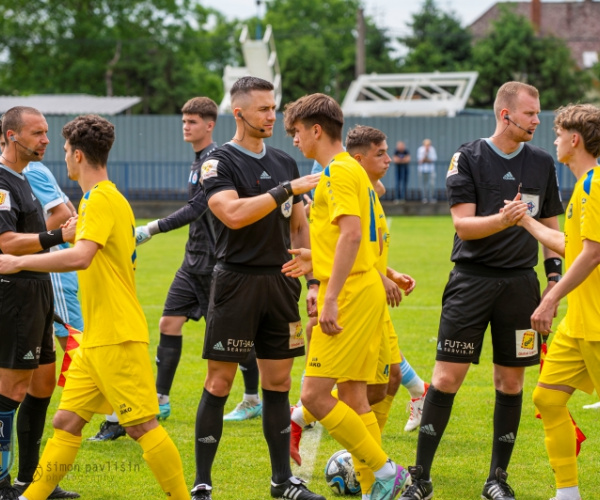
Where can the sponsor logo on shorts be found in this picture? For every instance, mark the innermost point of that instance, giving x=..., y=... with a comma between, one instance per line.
x=237, y=345
x=124, y=409
x=458, y=347
x=314, y=362
x=296, y=335
x=526, y=343
x=29, y=355
x=218, y=347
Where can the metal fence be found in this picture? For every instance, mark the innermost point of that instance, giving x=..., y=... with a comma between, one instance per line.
x=150, y=161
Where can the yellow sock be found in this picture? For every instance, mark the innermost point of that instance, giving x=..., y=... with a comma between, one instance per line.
x=560, y=434
x=348, y=429
x=57, y=459
x=162, y=457
x=382, y=410
x=364, y=475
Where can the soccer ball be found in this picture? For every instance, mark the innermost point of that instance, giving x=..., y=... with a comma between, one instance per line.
x=339, y=474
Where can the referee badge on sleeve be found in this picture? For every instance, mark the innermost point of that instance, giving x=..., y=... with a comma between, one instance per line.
x=4, y=200
x=209, y=169
x=286, y=207
x=453, y=168
x=526, y=343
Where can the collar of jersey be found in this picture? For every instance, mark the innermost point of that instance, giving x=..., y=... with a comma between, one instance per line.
x=501, y=153
x=248, y=152
x=20, y=176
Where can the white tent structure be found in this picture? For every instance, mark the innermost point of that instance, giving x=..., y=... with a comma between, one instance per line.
x=261, y=61
x=409, y=94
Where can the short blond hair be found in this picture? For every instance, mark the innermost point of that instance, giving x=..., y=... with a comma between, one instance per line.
x=507, y=95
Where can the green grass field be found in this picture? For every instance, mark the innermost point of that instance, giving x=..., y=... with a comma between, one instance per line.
x=420, y=247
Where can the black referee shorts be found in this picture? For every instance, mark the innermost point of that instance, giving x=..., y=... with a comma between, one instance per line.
x=475, y=297
x=259, y=310
x=188, y=295
x=26, y=319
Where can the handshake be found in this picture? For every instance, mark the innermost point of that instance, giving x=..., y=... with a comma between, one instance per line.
x=144, y=233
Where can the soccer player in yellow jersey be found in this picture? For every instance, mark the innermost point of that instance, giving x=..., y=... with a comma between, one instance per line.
x=345, y=240
x=113, y=369
x=573, y=360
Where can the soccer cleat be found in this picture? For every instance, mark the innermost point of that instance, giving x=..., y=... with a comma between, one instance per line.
x=164, y=411
x=498, y=489
x=201, y=493
x=244, y=411
x=109, y=431
x=420, y=489
x=7, y=490
x=58, y=492
x=390, y=488
x=416, y=411
x=294, y=489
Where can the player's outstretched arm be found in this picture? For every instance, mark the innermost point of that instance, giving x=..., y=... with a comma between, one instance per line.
x=545, y=232
x=72, y=259
x=300, y=265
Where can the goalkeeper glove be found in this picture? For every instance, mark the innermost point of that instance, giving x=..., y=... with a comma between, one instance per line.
x=144, y=233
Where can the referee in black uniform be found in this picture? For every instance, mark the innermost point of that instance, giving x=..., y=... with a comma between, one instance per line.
x=26, y=299
x=493, y=281
x=253, y=190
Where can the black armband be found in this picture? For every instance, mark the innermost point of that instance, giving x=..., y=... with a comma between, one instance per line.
x=49, y=239
x=287, y=185
x=312, y=282
x=280, y=194
x=553, y=265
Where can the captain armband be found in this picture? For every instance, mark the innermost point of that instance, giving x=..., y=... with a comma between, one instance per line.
x=49, y=239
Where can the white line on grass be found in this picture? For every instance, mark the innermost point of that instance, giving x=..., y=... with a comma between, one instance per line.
x=309, y=449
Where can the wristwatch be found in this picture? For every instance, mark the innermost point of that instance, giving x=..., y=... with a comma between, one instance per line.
x=556, y=278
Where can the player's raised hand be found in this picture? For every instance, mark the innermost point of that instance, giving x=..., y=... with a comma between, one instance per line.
x=306, y=183
x=513, y=211
x=68, y=229
x=300, y=265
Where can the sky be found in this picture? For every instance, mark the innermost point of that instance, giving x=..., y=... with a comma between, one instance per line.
x=391, y=14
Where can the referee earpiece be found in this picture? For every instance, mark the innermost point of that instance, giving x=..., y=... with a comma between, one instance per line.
x=506, y=117
x=13, y=138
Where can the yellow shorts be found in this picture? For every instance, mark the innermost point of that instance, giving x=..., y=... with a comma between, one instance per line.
x=111, y=377
x=350, y=355
x=389, y=352
x=572, y=362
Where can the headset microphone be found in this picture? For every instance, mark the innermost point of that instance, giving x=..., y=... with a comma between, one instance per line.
x=29, y=150
x=248, y=123
x=517, y=125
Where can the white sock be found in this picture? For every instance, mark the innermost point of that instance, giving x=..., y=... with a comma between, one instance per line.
x=571, y=493
x=112, y=418
x=298, y=417
x=163, y=399
x=254, y=399
x=388, y=470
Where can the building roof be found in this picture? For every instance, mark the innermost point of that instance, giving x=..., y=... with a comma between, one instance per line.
x=576, y=22
x=70, y=104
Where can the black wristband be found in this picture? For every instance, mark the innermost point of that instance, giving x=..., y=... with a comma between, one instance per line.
x=280, y=194
x=312, y=282
x=50, y=239
x=287, y=185
x=553, y=265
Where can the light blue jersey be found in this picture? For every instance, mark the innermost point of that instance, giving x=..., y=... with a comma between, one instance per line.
x=65, y=285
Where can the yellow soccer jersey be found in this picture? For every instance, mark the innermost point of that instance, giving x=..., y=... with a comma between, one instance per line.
x=344, y=189
x=110, y=309
x=582, y=221
x=382, y=262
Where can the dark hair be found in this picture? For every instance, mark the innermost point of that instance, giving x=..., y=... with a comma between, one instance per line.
x=360, y=138
x=315, y=109
x=583, y=119
x=13, y=118
x=204, y=107
x=93, y=136
x=247, y=84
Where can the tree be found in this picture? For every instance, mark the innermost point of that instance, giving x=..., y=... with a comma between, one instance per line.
x=437, y=42
x=157, y=49
x=512, y=51
x=316, y=45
